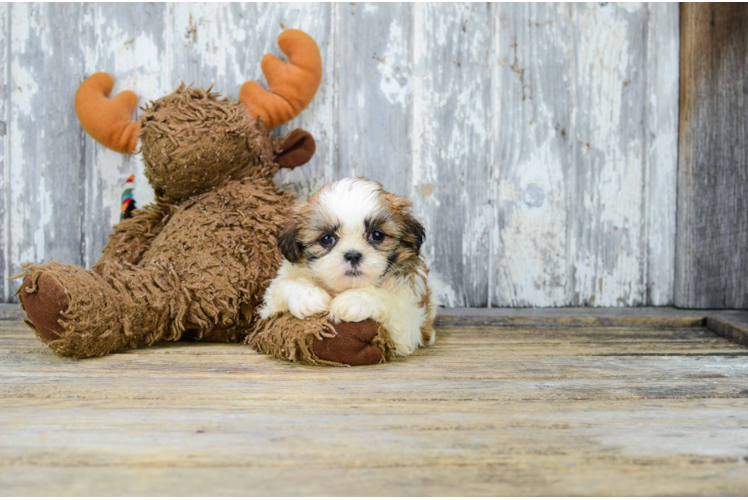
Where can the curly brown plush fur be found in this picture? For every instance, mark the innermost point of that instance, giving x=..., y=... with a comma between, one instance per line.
x=196, y=262
x=193, y=140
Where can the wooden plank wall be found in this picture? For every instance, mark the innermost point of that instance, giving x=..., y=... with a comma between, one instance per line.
x=538, y=142
x=712, y=257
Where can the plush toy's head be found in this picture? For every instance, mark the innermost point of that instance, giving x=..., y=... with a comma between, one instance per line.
x=192, y=140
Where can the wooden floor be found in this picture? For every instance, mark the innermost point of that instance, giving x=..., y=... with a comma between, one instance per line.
x=488, y=410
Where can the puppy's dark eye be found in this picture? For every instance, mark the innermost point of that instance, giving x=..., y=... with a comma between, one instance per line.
x=376, y=237
x=327, y=240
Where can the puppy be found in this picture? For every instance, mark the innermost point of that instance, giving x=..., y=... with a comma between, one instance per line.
x=353, y=251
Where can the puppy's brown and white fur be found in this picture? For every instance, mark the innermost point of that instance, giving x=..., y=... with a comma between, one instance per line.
x=353, y=251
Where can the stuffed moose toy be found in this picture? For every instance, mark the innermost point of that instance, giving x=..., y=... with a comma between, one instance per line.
x=194, y=265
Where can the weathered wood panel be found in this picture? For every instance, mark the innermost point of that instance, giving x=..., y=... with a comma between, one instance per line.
x=661, y=149
x=222, y=45
x=318, y=20
x=535, y=140
x=212, y=43
x=46, y=173
x=129, y=41
x=712, y=247
x=606, y=227
x=4, y=151
x=654, y=317
x=374, y=112
x=451, y=174
x=532, y=155
x=732, y=325
x=585, y=118
x=698, y=477
x=485, y=411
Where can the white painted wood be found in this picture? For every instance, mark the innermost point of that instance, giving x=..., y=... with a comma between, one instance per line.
x=46, y=157
x=317, y=19
x=211, y=45
x=374, y=59
x=129, y=42
x=607, y=256
x=223, y=44
x=585, y=120
x=537, y=141
x=531, y=154
x=661, y=108
x=450, y=171
x=5, y=287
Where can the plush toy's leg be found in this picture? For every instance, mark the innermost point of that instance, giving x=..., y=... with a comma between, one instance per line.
x=317, y=341
x=82, y=313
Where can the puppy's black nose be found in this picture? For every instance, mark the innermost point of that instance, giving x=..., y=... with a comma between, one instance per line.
x=353, y=257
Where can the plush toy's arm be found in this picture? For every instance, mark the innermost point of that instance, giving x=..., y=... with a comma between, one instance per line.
x=317, y=341
x=133, y=236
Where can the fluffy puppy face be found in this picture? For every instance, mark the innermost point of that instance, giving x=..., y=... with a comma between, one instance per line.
x=351, y=234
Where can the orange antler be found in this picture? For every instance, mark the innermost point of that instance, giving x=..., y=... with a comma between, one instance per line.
x=107, y=120
x=292, y=86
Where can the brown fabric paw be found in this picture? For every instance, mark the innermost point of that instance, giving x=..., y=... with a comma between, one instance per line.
x=352, y=344
x=78, y=313
x=316, y=341
x=45, y=302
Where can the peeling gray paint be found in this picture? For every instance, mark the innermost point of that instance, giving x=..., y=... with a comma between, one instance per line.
x=537, y=141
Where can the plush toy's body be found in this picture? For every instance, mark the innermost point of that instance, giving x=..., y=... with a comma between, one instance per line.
x=195, y=264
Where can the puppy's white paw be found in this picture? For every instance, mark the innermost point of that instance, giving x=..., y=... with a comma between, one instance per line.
x=354, y=306
x=312, y=300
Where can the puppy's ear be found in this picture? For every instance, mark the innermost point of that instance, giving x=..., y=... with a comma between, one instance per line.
x=288, y=243
x=414, y=232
